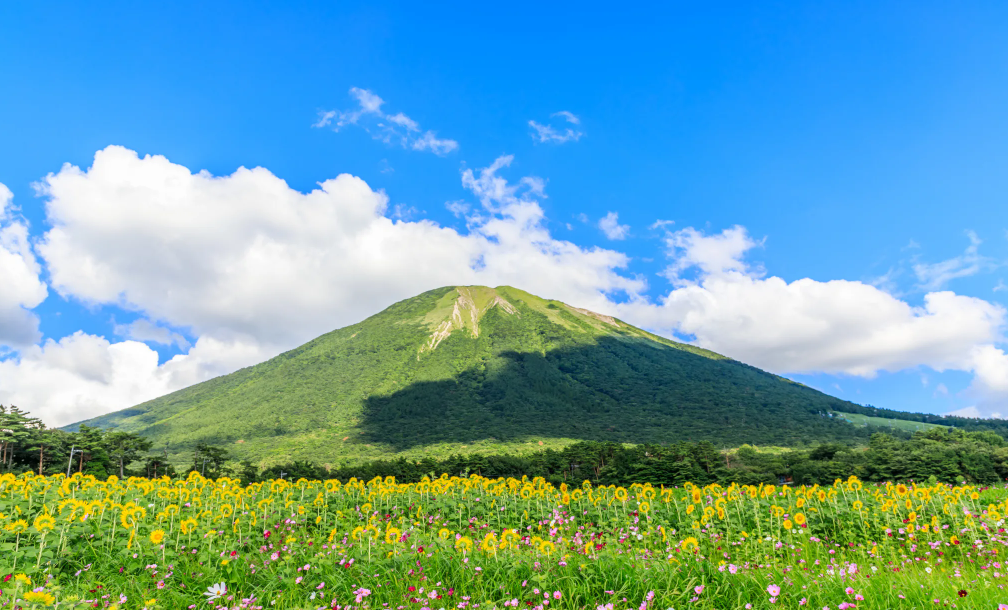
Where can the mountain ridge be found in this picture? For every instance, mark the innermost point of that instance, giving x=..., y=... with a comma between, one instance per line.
x=473, y=368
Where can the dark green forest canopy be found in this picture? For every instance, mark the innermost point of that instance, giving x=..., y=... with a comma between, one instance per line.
x=462, y=370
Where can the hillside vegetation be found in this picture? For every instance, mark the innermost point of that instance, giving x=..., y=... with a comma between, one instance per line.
x=476, y=369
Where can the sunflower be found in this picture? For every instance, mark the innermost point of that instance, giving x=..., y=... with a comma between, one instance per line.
x=621, y=494
x=44, y=523
x=644, y=507
x=787, y=524
x=489, y=544
x=690, y=543
x=443, y=533
x=392, y=535
x=799, y=518
x=157, y=536
x=546, y=547
x=39, y=597
x=464, y=544
x=188, y=525
x=901, y=490
x=697, y=496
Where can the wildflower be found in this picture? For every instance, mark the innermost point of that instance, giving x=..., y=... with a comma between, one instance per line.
x=698, y=589
x=157, y=536
x=215, y=591
x=773, y=590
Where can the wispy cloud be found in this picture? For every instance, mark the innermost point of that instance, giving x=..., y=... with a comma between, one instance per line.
x=393, y=129
x=557, y=134
x=612, y=228
x=970, y=262
x=149, y=332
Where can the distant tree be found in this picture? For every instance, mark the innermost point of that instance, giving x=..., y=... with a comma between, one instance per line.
x=209, y=460
x=126, y=448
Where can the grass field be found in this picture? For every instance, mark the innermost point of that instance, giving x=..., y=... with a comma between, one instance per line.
x=899, y=424
x=473, y=542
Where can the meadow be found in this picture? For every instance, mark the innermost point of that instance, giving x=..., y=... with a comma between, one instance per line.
x=476, y=542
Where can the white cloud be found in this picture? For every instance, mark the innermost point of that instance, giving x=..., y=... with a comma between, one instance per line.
x=568, y=115
x=712, y=255
x=609, y=224
x=393, y=129
x=839, y=326
x=253, y=267
x=458, y=208
x=22, y=289
x=83, y=376
x=325, y=118
x=404, y=121
x=937, y=275
x=557, y=135
x=428, y=141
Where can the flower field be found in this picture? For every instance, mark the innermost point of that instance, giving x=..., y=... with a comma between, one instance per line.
x=496, y=543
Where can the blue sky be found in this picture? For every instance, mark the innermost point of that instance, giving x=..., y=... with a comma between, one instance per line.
x=855, y=151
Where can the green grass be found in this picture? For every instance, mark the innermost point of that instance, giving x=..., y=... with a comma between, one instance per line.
x=882, y=422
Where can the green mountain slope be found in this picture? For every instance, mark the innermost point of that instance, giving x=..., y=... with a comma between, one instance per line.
x=481, y=369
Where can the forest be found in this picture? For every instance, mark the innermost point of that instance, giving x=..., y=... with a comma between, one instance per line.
x=950, y=455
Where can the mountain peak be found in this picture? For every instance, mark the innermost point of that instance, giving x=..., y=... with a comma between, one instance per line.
x=463, y=307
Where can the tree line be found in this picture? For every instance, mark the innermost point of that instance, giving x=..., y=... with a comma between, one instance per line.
x=26, y=444
x=939, y=454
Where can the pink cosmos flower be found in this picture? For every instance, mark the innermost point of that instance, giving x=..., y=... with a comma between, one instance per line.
x=773, y=590
x=698, y=589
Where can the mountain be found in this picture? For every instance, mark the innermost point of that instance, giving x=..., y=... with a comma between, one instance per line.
x=471, y=368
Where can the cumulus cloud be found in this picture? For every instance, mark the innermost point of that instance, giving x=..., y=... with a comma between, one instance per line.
x=22, y=289
x=393, y=129
x=557, y=134
x=83, y=376
x=712, y=255
x=610, y=226
x=805, y=326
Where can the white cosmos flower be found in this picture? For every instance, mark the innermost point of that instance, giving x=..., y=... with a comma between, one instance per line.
x=215, y=591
